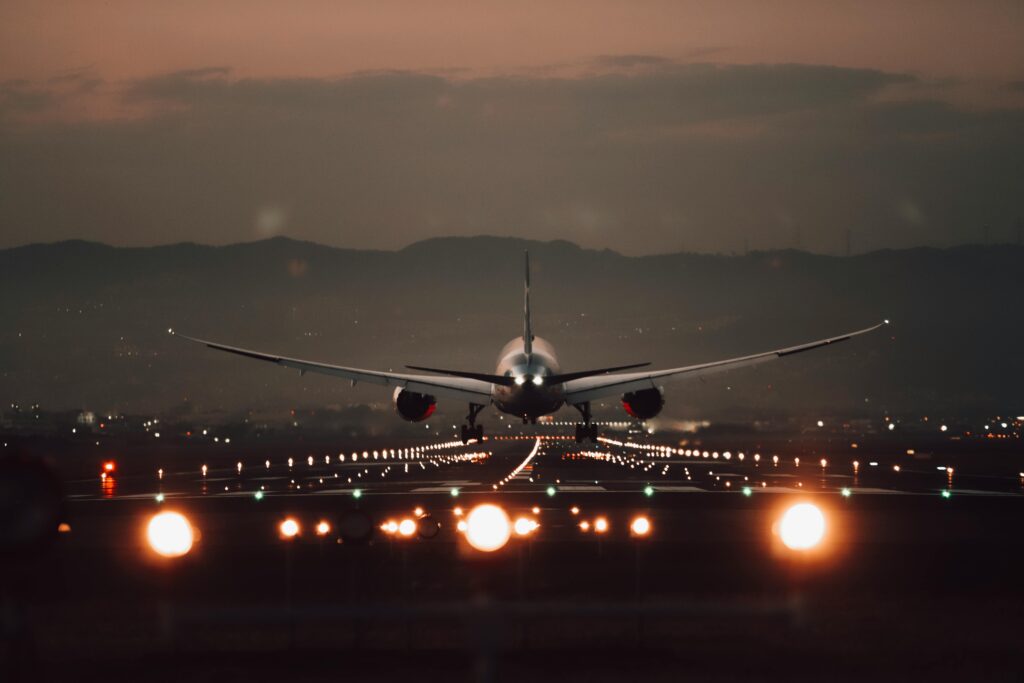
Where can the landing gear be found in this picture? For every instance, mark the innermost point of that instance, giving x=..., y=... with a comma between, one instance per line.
x=587, y=430
x=471, y=430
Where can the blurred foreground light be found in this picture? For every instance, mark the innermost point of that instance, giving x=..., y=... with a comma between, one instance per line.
x=406, y=528
x=488, y=528
x=289, y=528
x=64, y=528
x=524, y=526
x=169, y=534
x=640, y=526
x=802, y=527
x=323, y=528
x=747, y=491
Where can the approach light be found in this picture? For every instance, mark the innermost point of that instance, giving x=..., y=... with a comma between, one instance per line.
x=170, y=534
x=289, y=528
x=160, y=497
x=524, y=526
x=600, y=525
x=640, y=526
x=323, y=528
x=488, y=528
x=802, y=526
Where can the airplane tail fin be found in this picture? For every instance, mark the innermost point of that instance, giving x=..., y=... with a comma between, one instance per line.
x=527, y=331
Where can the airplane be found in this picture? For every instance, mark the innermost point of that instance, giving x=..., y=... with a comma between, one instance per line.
x=528, y=381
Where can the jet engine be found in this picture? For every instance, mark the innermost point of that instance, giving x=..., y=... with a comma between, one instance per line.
x=643, y=404
x=412, y=406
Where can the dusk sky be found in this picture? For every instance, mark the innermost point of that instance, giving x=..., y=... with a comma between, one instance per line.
x=643, y=127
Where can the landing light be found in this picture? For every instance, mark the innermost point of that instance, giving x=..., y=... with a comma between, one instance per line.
x=802, y=527
x=170, y=534
x=538, y=380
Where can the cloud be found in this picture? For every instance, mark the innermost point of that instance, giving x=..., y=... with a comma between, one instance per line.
x=642, y=154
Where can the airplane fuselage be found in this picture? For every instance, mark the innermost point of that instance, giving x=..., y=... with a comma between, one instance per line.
x=531, y=396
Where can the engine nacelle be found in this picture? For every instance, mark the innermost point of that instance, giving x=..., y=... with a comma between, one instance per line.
x=412, y=406
x=643, y=404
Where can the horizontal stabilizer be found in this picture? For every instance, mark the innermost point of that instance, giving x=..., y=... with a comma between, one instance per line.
x=484, y=377
x=569, y=376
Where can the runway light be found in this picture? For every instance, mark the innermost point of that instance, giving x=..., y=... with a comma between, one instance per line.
x=160, y=497
x=536, y=510
x=418, y=511
x=845, y=493
x=457, y=511
x=600, y=525
x=640, y=526
x=289, y=528
x=170, y=534
x=524, y=526
x=747, y=491
x=357, y=493
x=323, y=528
x=574, y=510
x=946, y=493
x=648, y=490
x=802, y=527
x=461, y=526
x=551, y=491
x=454, y=492
x=488, y=528
x=258, y=495
x=584, y=525
x=406, y=528
x=109, y=466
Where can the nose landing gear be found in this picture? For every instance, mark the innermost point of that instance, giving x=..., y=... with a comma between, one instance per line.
x=586, y=430
x=471, y=430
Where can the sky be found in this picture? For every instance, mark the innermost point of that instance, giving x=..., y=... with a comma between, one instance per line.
x=643, y=127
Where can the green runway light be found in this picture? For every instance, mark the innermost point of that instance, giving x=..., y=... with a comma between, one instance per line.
x=747, y=491
x=551, y=490
x=258, y=495
x=357, y=493
x=946, y=493
x=454, y=492
x=845, y=493
x=159, y=497
x=648, y=490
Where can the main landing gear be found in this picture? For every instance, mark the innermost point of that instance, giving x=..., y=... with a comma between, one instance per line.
x=586, y=430
x=471, y=430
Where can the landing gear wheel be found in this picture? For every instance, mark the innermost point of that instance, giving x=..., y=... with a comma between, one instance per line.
x=585, y=432
x=472, y=432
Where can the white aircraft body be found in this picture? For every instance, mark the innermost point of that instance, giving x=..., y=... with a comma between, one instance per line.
x=528, y=381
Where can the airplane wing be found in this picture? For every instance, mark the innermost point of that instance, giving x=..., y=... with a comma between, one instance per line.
x=591, y=388
x=460, y=388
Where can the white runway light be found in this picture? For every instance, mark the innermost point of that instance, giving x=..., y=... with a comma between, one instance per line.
x=802, y=527
x=170, y=534
x=488, y=528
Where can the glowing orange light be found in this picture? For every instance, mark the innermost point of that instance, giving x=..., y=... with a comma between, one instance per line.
x=488, y=527
x=462, y=526
x=600, y=525
x=407, y=527
x=418, y=511
x=170, y=534
x=802, y=527
x=584, y=525
x=289, y=528
x=640, y=526
x=457, y=511
x=323, y=528
x=109, y=466
x=64, y=528
x=524, y=526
